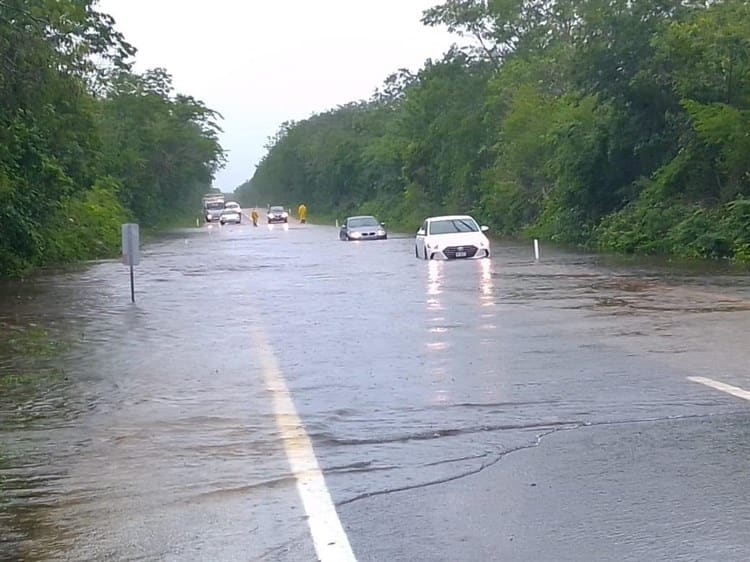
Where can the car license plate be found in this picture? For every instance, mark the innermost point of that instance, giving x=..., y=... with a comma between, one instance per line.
x=460, y=254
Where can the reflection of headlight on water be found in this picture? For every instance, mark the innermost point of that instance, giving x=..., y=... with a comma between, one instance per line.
x=485, y=282
x=486, y=266
x=433, y=276
x=433, y=269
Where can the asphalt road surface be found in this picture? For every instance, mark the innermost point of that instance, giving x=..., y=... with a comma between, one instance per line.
x=276, y=394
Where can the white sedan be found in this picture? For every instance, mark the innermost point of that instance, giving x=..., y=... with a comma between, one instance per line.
x=230, y=215
x=451, y=237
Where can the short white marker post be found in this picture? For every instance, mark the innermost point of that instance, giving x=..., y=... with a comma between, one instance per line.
x=131, y=251
x=536, y=249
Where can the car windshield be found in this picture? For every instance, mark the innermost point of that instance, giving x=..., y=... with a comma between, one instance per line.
x=276, y=209
x=451, y=226
x=215, y=205
x=362, y=221
x=230, y=211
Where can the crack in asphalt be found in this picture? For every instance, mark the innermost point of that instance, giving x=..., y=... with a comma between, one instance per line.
x=539, y=438
x=477, y=470
x=440, y=433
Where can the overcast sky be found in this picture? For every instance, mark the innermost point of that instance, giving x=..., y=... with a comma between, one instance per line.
x=262, y=62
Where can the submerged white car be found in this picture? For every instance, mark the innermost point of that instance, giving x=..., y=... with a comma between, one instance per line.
x=230, y=215
x=451, y=237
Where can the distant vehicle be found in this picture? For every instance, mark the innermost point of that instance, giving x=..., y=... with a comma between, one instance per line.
x=365, y=227
x=277, y=214
x=214, y=196
x=232, y=205
x=451, y=237
x=231, y=215
x=212, y=210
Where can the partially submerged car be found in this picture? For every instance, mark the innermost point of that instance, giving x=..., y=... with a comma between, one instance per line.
x=451, y=237
x=364, y=227
x=277, y=214
x=232, y=205
x=231, y=215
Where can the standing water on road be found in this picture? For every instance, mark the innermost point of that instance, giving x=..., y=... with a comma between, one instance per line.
x=147, y=431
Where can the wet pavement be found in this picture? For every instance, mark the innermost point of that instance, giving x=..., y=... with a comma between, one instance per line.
x=482, y=410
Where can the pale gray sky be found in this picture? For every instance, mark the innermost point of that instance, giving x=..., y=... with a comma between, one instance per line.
x=260, y=63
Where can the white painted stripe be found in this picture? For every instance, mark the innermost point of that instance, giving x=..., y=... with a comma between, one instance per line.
x=728, y=388
x=328, y=535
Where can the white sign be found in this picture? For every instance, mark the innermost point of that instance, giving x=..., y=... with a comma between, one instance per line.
x=131, y=250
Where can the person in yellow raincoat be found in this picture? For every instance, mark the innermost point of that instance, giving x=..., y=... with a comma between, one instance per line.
x=302, y=213
x=254, y=216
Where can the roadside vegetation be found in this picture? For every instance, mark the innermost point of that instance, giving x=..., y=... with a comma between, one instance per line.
x=614, y=124
x=86, y=143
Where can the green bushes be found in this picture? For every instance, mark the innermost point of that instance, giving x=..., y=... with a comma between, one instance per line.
x=688, y=231
x=84, y=226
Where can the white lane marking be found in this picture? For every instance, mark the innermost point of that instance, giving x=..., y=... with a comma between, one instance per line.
x=328, y=535
x=728, y=388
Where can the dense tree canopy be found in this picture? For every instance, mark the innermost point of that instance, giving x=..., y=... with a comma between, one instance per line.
x=86, y=143
x=618, y=124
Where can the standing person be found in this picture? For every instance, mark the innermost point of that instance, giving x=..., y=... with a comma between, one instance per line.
x=302, y=213
x=254, y=216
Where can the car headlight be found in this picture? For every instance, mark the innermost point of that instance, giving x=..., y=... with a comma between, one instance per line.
x=355, y=234
x=208, y=215
x=284, y=215
x=381, y=232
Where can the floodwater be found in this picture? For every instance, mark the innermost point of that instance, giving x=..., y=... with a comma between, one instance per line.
x=152, y=434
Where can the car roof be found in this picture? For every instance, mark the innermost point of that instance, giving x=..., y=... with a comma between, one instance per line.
x=361, y=217
x=449, y=217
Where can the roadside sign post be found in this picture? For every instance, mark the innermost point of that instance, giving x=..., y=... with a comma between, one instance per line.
x=131, y=251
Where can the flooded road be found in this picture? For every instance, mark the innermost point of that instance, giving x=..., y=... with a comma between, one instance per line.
x=481, y=410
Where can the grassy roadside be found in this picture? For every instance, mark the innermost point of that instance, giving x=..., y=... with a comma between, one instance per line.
x=174, y=221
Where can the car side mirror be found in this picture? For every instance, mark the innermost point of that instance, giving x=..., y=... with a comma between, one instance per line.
x=420, y=232
x=485, y=228
x=382, y=224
